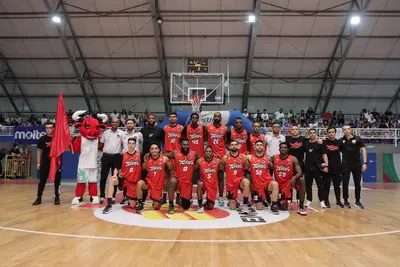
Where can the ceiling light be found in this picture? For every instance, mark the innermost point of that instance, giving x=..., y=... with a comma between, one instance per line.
x=251, y=18
x=355, y=20
x=159, y=20
x=56, y=19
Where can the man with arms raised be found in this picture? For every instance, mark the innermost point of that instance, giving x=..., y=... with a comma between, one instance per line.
x=288, y=174
x=217, y=139
x=234, y=164
x=261, y=179
x=208, y=166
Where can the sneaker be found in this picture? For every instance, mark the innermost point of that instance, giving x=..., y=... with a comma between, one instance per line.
x=339, y=204
x=308, y=203
x=265, y=203
x=221, y=202
x=163, y=201
x=107, y=209
x=245, y=209
x=38, y=201
x=274, y=210
x=113, y=200
x=249, y=204
x=102, y=200
x=302, y=211
x=327, y=204
x=124, y=201
x=359, y=205
x=140, y=207
x=200, y=210
x=322, y=203
x=171, y=209
x=57, y=200
x=347, y=205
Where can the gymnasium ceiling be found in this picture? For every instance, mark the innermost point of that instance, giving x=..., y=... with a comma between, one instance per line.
x=113, y=53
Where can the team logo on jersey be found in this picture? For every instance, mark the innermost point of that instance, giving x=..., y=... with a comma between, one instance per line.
x=310, y=150
x=132, y=163
x=216, y=136
x=195, y=136
x=353, y=141
x=155, y=168
x=207, y=170
x=185, y=162
x=296, y=145
x=282, y=168
x=235, y=166
x=173, y=135
x=259, y=166
x=332, y=148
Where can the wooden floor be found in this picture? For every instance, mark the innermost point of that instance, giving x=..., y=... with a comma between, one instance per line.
x=51, y=235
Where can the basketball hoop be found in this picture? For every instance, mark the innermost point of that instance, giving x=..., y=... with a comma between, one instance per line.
x=195, y=101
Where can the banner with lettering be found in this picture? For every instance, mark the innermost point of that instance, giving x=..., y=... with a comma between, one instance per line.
x=28, y=135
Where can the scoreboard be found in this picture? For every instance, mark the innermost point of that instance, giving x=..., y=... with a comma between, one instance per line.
x=197, y=65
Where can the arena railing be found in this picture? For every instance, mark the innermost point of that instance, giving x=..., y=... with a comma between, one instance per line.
x=17, y=166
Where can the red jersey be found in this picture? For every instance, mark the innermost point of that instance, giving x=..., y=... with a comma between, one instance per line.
x=241, y=138
x=216, y=139
x=259, y=170
x=155, y=172
x=234, y=171
x=253, y=139
x=131, y=168
x=283, y=168
x=173, y=135
x=209, y=171
x=184, y=166
x=196, y=138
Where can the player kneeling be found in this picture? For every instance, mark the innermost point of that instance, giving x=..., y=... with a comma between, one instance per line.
x=208, y=166
x=261, y=179
x=285, y=166
x=154, y=165
x=130, y=171
x=233, y=163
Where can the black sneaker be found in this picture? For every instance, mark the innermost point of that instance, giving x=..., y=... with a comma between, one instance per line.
x=178, y=201
x=140, y=207
x=339, y=204
x=57, y=200
x=265, y=203
x=107, y=209
x=38, y=201
x=347, y=205
x=124, y=201
x=171, y=209
x=359, y=205
x=163, y=201
x=327, y=204
x=274, y=210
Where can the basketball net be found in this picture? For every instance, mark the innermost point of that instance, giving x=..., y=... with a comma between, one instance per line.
x=195, y=101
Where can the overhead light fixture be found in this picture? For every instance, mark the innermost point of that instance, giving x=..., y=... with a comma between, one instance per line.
x=56, y=19
x=159, y=20
x=251, y=18
x=355, y=20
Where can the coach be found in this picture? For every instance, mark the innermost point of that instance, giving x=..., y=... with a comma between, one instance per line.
x=151, y=134
x=351, y=163
x=111, y=142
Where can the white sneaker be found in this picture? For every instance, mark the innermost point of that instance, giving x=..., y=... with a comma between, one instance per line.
x=200, y=210
x=323, y=206
x=113, y=200
x=308, y=203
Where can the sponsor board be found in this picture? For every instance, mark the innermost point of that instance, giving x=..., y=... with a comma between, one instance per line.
x=28, y=135
x=207, y=117
x=219, y=218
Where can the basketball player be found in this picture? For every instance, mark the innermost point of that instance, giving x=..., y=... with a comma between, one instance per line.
x=240, y=135
x=333, y=147
x=316, y=163
x=261, y=178
x=154, y=165
x=234, y=164
x=196, y=133
x=217, y=139
x=285, y=166
x=131, y=170
x=351, y=147
x=184, y=161
x=254, y=137
x=130, y=133
x=208, y=166
x=173, y=134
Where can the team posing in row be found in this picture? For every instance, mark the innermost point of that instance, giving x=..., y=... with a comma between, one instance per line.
x=185, y=154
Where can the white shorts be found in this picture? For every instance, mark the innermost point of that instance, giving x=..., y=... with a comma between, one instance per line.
x=85, y=175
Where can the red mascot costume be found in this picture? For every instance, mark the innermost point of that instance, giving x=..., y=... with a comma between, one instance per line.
x=87, y=144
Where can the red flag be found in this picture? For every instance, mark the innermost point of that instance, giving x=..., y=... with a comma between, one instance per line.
x=61, y=138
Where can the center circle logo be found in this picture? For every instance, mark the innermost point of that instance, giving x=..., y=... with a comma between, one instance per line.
x=218, y=218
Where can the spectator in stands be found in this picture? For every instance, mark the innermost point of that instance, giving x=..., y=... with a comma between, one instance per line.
x=131, y=116
x=302, y=117
x=383, y=124
x=24, y=150
x=326, y=117
x=123, y=117
x=257, y=116
x=264, y=117
x=115, y=114
x=146, y=114
x=310, y=115
x=2, y=120
x=292, y=116
x=44, y=119
x=245, y=113
x=340, y=118
x=70, y=113
x=388, y=115
x=376, y=115
x=280, y=116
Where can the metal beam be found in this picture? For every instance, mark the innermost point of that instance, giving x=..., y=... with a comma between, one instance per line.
x=160, y=53
x=341, y=51
x=86, y=72
x=250, y=53
x=70, y=57
x=395, y=97
x=10, y=74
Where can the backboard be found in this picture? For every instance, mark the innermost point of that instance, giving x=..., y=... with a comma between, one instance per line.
x=209, y=85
